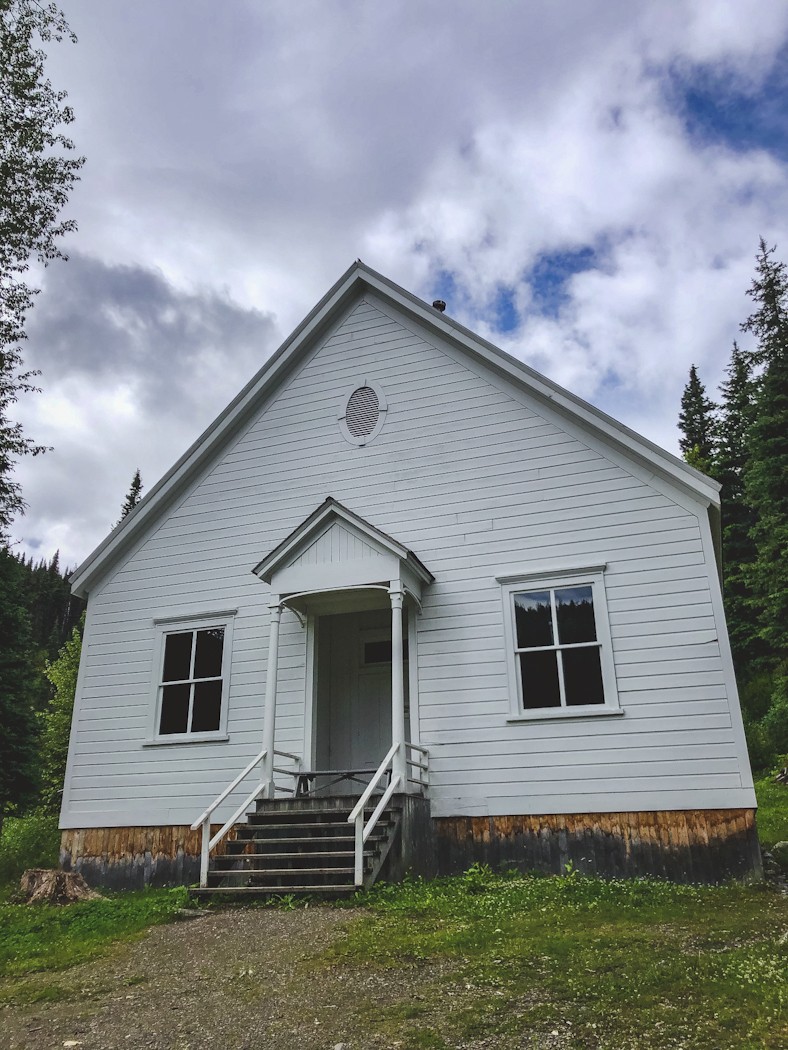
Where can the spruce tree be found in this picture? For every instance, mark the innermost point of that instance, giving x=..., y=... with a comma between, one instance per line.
x=19, y=736
x=738, y=519
x=133, y=496
x=696, y=422
x=766, y=476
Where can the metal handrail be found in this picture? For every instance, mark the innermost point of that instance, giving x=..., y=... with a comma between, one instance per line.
x=204, y=820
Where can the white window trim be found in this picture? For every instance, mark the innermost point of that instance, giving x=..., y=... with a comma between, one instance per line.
x=383, y=408
x=573, y=576
x=198, y=622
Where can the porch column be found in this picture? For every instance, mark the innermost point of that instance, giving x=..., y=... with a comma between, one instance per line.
x=399, y=769
x=269, y=720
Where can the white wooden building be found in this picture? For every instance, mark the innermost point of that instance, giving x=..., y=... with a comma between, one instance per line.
x=399, y=547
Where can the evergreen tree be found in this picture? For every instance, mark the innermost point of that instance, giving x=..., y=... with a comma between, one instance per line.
x=62, y=673
x=766, y=476
x=19, y=736
x=133, y=496
x=696, y=422
x=738, y=519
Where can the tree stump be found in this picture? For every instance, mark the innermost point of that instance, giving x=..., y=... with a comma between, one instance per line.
x=54, y=886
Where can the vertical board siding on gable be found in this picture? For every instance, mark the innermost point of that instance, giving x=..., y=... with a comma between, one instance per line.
x=475, y=481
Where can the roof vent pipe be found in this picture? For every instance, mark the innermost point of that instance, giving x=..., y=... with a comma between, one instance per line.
x=439, y=305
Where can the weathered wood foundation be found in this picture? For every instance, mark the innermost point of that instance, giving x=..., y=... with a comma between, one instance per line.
x=132, y=858
x=711, y=845
x=682, y=845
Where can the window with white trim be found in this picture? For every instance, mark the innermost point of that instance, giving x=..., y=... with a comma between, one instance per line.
x=192, y=680
x=561, y=662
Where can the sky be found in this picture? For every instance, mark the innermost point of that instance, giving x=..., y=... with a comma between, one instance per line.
x=584, y=182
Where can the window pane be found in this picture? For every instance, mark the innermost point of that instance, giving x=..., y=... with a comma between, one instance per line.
x=533, y=619
x=174, y=709
x=208, y=658
x=575, y=613
x=583, y=676
x=177, y=657
x=377, y=652
x=207, y=704
x=539, y=674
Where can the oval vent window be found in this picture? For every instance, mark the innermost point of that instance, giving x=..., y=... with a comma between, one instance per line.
x=363, y=410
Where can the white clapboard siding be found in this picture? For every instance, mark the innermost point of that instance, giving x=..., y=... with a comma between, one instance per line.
x=479, y=480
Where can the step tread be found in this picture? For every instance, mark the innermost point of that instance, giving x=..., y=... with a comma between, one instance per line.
x=294, y=856
x=291, y=825
x=248, y=872
x=302, y=838
x=265, y=891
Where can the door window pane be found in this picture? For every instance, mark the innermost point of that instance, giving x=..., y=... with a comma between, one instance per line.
x=177, y=657
x=174, y=709
x=583, y=676
x=575, y=615
x=539, y=675
x=533, y=619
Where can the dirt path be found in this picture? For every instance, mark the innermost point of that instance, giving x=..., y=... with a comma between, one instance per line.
x=233, y=980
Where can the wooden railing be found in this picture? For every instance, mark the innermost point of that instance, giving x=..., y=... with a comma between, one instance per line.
x=418, y=768
x=204, y=820
x=364, y=827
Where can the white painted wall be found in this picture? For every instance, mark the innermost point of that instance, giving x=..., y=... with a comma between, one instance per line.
x=478, y=479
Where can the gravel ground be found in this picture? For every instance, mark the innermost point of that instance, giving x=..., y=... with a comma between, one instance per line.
x=245, y=980
x=236, y=979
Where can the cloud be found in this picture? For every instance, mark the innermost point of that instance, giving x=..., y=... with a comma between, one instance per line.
x=132, y=371
x=577, y=180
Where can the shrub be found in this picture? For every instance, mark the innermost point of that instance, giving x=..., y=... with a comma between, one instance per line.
x=760, y=746
x=775, y=726
x=28, y=842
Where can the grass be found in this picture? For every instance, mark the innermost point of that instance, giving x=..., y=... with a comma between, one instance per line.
x=603, y=964
x=48, y=937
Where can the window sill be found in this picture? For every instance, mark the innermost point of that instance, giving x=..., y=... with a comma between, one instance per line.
x=555, y=714
x=214, y=738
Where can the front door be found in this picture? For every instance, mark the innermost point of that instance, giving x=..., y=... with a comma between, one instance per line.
x=353, y=726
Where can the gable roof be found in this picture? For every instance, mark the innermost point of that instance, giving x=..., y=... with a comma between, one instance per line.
x=309, y=529
x=350, y=286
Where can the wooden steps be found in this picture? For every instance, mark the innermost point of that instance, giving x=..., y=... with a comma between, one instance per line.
x=299, y=848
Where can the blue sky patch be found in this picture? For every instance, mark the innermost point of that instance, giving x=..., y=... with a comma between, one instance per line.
x=444, y=286
x=506, y=316
x=550, y=273
x=716, y=108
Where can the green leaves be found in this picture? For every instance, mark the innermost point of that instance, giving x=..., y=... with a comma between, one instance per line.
x=37, y=173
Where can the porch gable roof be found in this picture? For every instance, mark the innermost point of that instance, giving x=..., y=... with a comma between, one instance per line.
x=317, y=524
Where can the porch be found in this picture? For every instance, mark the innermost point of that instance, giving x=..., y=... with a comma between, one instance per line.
x=355, y=593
